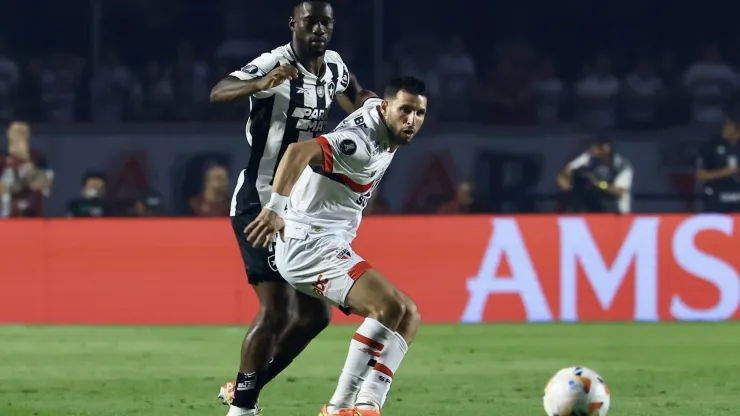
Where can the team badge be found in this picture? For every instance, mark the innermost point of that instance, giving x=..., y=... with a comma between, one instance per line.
x=347, y=147
x=320, y=90
x=250, y=69
x=271, y=263
x=332, y=88
x=344, y=254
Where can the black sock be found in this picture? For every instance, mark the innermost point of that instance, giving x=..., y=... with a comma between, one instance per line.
x=277, y=365
x=247, y=390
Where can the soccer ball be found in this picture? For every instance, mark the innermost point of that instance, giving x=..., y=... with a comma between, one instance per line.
x=576, y=391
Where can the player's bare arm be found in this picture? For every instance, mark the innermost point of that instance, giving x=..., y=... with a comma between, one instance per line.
x=712, y=175
x=297, y=156
x=232, y=88
x=354, y=96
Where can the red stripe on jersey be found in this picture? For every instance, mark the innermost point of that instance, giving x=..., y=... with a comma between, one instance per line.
x=358, y=270
x=328, y=165
x=359, y=188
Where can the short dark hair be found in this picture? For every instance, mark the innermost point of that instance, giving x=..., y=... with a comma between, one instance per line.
x=92, y=174
x=410, y=85
x=299, y=4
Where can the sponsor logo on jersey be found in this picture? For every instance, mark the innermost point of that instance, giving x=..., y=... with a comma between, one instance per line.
x=345, y=78
x=347, y=147
x=251, y=69
x=311, y=119
x=320, y=285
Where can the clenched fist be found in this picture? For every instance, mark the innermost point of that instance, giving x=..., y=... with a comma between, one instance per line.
x=277, y=76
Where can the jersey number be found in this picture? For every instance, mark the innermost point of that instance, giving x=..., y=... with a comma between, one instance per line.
x=360, y=121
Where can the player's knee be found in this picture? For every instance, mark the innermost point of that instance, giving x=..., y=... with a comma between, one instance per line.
x=412, y=317
x=391, y=312
x=273, y=319
x=311, y=324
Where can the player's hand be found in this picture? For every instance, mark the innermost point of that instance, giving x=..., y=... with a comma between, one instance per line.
x=277, y=76
x=262, y=230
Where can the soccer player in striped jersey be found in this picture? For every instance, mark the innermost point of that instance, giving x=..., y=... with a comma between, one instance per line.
x=291, y=89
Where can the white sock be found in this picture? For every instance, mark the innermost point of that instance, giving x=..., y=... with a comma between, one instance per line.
x=375, y=388
x=367, y=343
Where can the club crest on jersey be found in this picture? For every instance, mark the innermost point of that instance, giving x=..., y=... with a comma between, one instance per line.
x=344, y=254
x=251, y=69
x=320, y=90
x=332, y=88
x=347, y=147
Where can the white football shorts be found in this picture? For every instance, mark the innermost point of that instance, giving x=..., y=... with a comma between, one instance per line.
x=320, y=264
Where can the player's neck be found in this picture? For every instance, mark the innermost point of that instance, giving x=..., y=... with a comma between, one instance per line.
x=314, y=64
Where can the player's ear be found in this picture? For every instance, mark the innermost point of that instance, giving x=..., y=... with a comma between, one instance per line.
x=291, y=24
x=384, y=107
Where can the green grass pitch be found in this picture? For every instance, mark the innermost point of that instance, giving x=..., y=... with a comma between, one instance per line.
x=667, y=369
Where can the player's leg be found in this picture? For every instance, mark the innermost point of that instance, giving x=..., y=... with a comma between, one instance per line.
x=379, y=345
x=308, y=317
x=274, y=294
x=324, y=266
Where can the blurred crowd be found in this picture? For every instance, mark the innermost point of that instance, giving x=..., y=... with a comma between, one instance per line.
x=149, y=65
x=135, y=61
x=517, y=85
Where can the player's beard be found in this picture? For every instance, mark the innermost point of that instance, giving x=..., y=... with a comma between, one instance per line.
x=316, y=50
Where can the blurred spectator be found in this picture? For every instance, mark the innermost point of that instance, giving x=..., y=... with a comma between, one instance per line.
x=190, y=81
x=60, y=82
x=154, y=95
x=506, y=95
x=9, y=82
x=92, y=201
x=148, y=204
x=239, y=45
x=416, y=56
x=599, y=180
x=214, y=199
x=549, y=92
x=710, y=83
x=675, y=106
x=643, y=95
x=464, y=201
x=718, y=167
x=25, y=178
x=596, y=94
x=458, y=70
x=112, y=88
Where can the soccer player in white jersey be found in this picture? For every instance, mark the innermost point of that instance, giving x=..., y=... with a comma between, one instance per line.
x=291, y=90
x=320, y=189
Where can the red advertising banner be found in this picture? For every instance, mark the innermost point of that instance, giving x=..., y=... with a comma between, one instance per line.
x=458, y=269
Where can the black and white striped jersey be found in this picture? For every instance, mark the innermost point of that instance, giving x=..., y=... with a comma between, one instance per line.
x=294, y=110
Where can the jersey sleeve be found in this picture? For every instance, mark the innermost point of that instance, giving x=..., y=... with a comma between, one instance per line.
x=624, y=177
x=579, y=162
x=259, y=67
x=345, y=152
x=343, y=75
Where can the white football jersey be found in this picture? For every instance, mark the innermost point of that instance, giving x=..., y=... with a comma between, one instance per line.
x=356, y=155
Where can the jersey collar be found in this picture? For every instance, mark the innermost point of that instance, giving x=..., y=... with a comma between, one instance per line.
x=302, y=68
x=384, y=133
